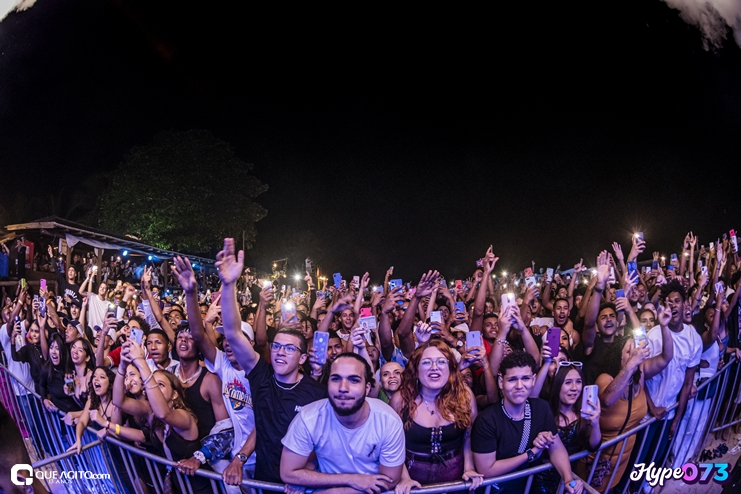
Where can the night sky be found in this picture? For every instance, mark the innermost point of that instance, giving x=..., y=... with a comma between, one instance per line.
x=388, y=137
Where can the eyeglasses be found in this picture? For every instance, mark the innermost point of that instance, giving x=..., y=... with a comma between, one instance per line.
x=289, y=349
x=427, y=363
x=566, y=363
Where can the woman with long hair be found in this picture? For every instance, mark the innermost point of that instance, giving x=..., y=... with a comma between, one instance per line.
x=99, y=407
x=438, y=411
x=577, y=428
x=77, y=384
x=52, y=378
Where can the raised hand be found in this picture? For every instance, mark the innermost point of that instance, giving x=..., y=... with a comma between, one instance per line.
x=618, y=251
x=230, y=267
x=490, y=260
x=343, y=303
x=426, y=284
x=364, y=280
x=664, y=317
x=423, y=331
x=357, y=337
x=637, y=356
x=186, y=276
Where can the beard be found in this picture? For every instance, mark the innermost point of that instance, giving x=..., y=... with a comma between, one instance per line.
x=344, y=412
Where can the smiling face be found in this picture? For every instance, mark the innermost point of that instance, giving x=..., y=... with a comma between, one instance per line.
x=571, y=388
x=391, y=376
x=100, y=382
x=78, y=354
x=133, y=380
x=102, y=290
x=166, y=387
x=74, y=312
x=284, y=361
x=433, y=369
x=347, y=386
x=347, y=319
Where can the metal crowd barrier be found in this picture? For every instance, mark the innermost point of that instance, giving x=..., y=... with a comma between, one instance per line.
x=133, y=470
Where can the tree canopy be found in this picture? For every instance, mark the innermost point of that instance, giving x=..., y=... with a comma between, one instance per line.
x=184, y=191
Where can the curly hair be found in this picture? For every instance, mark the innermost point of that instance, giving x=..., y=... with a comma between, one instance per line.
x=673, y=286
x=453, y=401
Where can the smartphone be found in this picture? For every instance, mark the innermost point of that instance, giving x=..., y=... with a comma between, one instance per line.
x=670, y=268
x=673, y=257
x=436, y=316
x=337, y=277
x=632, y=268
x=395, y=283
x=639, y=236
x=507, y=299
x=611, y=280
x=711, y=246
x=42, y=284
x=365, y=312
x=356, y=281
x=36, y=299
x=460, y=307
x=137, y=335
x=530, y=281
x=719, y=287
x=589, y=393
x=321, y=342
x=528, y=272
x=619, y=293
x=734, y=240
x=267, y=284
x=549, y=275
x=59, y=299
x=655, y=265
x=473, y=339
x=458, y=284
x=553, y=339
x=704, y=270
x=320, y=295
x=480, y=263
x=639, y=336
x=308, y=265
x=648, y=269
x=23, y=282
x=289, y=312
x=111, y=310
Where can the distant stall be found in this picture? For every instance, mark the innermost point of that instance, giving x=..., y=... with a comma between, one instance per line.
x=69, y=239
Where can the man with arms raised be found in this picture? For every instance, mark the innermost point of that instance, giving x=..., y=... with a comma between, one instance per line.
x=358, y=442
x=279, y=391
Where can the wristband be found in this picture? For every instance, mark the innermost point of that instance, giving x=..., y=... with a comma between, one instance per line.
x=198, y=455
x=502, y=342
x=598, y=290
x=118, y=430
x=107, y=425
x=148, y=379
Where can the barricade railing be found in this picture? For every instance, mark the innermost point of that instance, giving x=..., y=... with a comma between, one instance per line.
x=134, y=470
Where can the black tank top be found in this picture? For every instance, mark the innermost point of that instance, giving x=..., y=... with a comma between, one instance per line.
x=200, y=407
x=419, y=439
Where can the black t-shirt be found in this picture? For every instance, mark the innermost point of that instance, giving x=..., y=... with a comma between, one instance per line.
x=493, y=432
x=598, y=362
x=275, y=408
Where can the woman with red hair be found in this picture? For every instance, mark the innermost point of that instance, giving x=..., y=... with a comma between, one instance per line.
x=438, y=411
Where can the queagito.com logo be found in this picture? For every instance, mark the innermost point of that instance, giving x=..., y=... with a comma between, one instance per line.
x=51, y=475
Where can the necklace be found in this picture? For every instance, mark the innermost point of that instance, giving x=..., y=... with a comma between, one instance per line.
x=525, y=415
x=289, y=388
x=427, y=406
x=194, y=376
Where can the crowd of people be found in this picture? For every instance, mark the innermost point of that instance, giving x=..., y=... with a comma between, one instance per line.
x=347, y=387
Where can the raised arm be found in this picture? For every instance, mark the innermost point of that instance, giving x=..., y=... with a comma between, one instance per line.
x=180, y=420
x=658, y=363
x=261, y=325
x=590, y=319
x=404, y=331
x=611, y=389
x=708, y=337
x=154, y=306
x=230, y=268
x=385, y=334
x=479, y=305
x=137, y=408
x=359, y=298
x=187, y=279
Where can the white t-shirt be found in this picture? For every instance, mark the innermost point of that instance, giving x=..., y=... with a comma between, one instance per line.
x=173, y=367
x=664, y=387
x=96, y=310
x=237, y=398
x=21, y=370
x=379, y=441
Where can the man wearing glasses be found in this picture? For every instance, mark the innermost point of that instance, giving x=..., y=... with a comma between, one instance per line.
x=279, y=390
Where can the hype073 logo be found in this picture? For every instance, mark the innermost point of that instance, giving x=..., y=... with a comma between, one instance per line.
x=690, y=473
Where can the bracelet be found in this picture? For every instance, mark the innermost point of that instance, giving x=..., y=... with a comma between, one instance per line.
x=598, y=290
x=118, y=430
x=502, y=342
x=107, y=425
x=151, y=374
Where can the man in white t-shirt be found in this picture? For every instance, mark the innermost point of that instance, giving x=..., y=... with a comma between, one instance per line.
x=358, y=441
x=97, y=304
x=20, y=370
x=674, y=383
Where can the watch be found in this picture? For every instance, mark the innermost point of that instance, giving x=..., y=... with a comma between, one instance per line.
x=198, y=455
x=243, y=458
x=530, y=455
